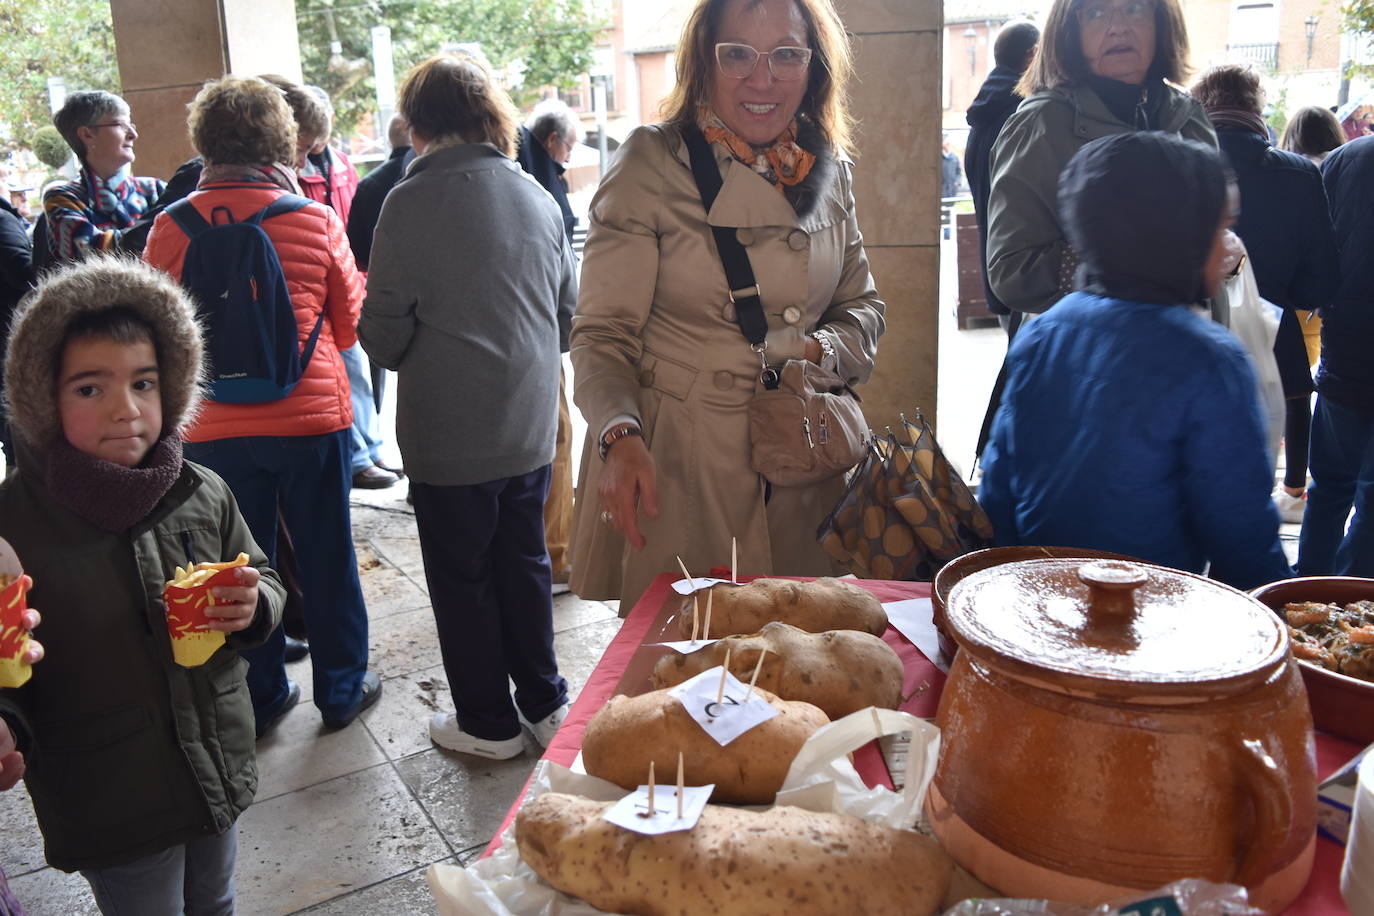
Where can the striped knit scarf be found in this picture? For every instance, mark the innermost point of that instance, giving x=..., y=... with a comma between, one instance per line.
x=782, y=164
x=1238, y=119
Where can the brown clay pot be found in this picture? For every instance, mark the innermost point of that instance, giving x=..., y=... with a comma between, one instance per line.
x=1110, y=727
x=960, y=568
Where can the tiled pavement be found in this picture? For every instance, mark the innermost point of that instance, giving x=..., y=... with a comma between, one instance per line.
x=346, y=822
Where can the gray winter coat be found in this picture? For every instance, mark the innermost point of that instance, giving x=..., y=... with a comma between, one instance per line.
x=469, y=282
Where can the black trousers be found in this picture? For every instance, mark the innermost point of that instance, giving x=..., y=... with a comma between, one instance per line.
x=489, y=579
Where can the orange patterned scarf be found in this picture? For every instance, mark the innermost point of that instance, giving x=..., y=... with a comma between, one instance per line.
x=782, y=164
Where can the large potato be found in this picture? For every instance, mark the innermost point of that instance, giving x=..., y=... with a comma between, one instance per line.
x=628, y=732
x=840, y=671
x=781, y=862
x=825, y=604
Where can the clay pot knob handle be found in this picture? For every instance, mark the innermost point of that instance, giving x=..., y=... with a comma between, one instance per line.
x=1112, y=585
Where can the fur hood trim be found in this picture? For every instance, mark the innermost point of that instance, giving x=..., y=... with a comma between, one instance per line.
x=39, y=332
x=811, y=190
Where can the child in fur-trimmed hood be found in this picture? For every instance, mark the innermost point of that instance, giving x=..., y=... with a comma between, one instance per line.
x=138, y=768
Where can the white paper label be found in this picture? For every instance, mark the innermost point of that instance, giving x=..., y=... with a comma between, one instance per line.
x=633, y=812
x=685, y=646
x=688, y=586
x=730, y=716
x=915, y=619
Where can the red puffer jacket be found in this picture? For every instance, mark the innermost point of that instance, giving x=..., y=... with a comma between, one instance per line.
x=338, y=191
x=313, y=249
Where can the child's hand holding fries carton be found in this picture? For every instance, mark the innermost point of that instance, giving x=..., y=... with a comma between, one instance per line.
x=18, y=651
x=188, y=596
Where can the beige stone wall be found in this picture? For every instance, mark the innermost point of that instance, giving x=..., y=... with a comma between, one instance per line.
x=168, y=48
x=896, y=98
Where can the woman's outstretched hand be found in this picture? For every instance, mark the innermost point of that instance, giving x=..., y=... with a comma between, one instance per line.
x=628, y=483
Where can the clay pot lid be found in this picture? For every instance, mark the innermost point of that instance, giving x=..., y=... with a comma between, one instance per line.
x=1133, y=630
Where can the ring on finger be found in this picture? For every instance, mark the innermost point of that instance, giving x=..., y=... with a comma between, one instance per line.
x=607, y=517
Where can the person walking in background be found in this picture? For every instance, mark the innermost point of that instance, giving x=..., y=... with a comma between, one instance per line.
x=295, y=449
x=326, y=175
x=1341, y=459
x=543, y=148
x=997, y=99
x=951, y=172
x=16, y=279
x=372, y=190
x=470, y=272
x=1286, y=228
x=1312, y=132
x=1129, y=423
x=93, y=212
x=1104, y=67
x=545, y=145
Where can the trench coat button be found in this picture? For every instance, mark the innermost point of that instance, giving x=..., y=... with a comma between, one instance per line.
x=797, y=239
x=728, y=312
x=745, y=236
x=724, y=380
x=646, y=378
x=791, y=314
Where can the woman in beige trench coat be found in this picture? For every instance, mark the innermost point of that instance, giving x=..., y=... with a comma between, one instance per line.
x=663, y=373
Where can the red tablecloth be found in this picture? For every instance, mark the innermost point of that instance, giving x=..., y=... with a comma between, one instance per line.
x=624, y=661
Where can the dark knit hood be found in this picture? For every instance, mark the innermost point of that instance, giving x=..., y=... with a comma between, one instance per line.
x=1141, y=211
x=996, y=100
x=99, y=282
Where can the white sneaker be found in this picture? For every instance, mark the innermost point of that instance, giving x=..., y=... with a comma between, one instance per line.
x=1290, y=507
x=444, y=731
x=547, y=727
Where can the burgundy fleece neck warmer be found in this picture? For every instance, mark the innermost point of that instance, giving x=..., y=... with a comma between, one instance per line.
x=110, y=496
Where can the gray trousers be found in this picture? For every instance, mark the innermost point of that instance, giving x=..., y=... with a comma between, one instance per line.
x=196, y=878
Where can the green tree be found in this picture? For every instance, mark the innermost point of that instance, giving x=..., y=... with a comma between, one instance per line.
x=552, y=38
x=44, y=38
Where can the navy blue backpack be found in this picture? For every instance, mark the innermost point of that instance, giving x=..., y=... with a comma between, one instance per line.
x=232, y=271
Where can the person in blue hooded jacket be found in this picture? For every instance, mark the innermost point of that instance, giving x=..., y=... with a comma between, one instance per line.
x=1129, y=422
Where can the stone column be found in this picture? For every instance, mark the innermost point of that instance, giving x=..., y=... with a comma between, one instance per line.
x=896, y=99
x=168, y=48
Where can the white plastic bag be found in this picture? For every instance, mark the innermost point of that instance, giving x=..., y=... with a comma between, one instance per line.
x=1189, y=897
x=820, y=779
x=1255, y=322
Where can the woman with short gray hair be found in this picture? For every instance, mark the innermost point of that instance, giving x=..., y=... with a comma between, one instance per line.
x=92, y=212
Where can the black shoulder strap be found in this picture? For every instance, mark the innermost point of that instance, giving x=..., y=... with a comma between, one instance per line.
x=739, y=274
x=185, y=215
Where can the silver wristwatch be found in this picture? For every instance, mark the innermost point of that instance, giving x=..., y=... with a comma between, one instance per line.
x=828, y=358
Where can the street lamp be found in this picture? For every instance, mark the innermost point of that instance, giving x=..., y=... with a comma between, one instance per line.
x=1311, y=23
x=971, y=39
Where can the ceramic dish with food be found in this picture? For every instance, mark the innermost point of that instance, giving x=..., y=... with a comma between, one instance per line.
x=1342, y=704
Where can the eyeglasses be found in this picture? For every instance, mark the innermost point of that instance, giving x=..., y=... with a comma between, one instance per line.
x=739, y=61
x=126, y=126
x=1133, y=12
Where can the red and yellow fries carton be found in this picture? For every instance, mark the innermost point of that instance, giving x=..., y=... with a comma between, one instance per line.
x=14, y=638
x=188, y=596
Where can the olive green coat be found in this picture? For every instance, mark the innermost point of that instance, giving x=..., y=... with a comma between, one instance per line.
x=127, y=752
x=654, y=338
x=1025, y=242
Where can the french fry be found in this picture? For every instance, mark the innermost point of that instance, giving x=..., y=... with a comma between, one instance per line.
x=187, y=595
